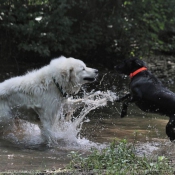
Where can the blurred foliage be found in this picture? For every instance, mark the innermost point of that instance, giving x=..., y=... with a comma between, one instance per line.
x=93, y=30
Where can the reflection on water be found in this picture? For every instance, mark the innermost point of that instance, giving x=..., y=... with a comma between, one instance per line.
x=40, y=157
x=104, y=125
x=107, y=129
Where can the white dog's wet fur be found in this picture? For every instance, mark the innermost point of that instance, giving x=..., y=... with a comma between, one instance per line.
x=42, y=96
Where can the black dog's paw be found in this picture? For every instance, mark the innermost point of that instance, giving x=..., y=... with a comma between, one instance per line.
x=124, y=109
x=172, y=139
x=172, y=136
x=123, y=113
x=170, y=131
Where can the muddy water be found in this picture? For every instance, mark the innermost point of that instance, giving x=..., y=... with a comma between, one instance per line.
x=103, y=125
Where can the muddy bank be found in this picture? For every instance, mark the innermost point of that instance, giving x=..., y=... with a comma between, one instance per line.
x=156, y=147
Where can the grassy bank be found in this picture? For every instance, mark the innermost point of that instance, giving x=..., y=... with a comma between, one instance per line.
x=119, y=159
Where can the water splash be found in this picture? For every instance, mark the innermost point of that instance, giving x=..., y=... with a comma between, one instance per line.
x=65, y=134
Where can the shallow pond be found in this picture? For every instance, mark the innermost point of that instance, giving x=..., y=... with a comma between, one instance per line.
x=103, y=125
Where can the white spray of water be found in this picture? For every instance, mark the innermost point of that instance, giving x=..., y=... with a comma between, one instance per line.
x=65, y=134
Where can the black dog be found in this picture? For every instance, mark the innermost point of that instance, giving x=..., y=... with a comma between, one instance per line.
x=148, y=93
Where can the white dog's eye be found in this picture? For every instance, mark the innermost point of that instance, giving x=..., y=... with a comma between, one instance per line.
x=83, y=68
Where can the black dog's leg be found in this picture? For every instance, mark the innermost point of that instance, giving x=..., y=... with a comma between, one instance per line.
x=125, y=104
x=123, y=98
x=129, y=99
x=124, y=109
x=170, y=128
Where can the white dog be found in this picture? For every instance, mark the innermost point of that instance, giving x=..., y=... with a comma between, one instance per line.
x=41, y=96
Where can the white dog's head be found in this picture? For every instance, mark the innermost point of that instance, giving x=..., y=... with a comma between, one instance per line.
x=71, y=73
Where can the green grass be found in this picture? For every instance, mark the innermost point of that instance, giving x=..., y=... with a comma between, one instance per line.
x=118, y=159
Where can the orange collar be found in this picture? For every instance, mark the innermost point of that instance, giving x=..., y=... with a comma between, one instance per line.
x=137, y=71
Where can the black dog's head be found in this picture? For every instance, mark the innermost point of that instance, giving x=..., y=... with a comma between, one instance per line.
x=128, y=66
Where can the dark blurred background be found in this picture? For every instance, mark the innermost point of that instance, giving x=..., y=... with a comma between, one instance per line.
x=95, y=31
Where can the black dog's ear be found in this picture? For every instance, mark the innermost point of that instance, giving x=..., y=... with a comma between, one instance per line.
x=140, y=63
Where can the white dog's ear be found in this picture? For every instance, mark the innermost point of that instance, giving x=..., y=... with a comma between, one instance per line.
x=72, y=74
x=69, y=74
